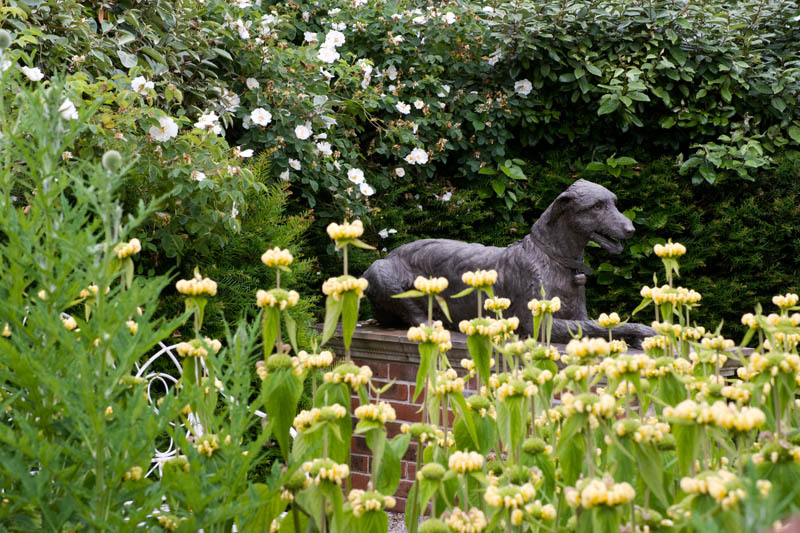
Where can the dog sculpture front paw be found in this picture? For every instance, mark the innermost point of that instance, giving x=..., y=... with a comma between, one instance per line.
x=634, y=333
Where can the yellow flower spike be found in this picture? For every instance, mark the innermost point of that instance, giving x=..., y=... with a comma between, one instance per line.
x=430, y=285
x=785, y=301
x=127, y=249
x=671, y=249
x=334, y=287
x=197, y=286
x=345, y=230
x=479, y=278
x=275, y=257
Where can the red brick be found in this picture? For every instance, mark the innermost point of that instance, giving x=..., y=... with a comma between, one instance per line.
x=379, y=370
x=359, y=445
x=411, y=453
x=400, y=505
x=398, y=391
x=403, y=489
x=410, y=470
x=403, y=372
x=407, y=412
x=359, y=481
x=359, y=463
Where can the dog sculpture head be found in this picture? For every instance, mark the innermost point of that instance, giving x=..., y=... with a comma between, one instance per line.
x=592, y=215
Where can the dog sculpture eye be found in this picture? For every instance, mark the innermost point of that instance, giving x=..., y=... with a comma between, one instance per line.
x=598, y=205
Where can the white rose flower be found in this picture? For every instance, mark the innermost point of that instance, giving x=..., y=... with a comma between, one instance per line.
x=339, y=26
x=449, y=17
x=310, y=37
x=306, y=16
x=419, y=104
x=418, y=156
x=444, y=92
x=397, y=39
x=33, y=74
x=295, y=164
x=261, y=116
x=209, y=121
x=325, y=148
x=140, y=83
x=384, y=233
x=392, y=72
x=359, y=3
x=243, y=153
x=403, y=108
x=334, y=11
x=400, y=172
x=356, y=175
x=329, y=122
x=328, y=54
x=198, y=176
x=268, y=19
x=302, y=132
x=284, y=175
x=334, y=39
x=68, y=110
x=422, y=19
x=447, y=196
x=166, y=129
x=230, y=100
x=252, y=83
x=366, y=190
x=523, y=87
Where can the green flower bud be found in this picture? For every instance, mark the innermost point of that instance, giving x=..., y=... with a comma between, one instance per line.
x=433, y=525
x=279, y=361
x=518, y=475
x=476, y=402
x=667, y=443
x=297, y=481
x=495, y=467
x=5, y=39
x=794, y=438
x=534, y=446
x=433, y=471
x=112, y=160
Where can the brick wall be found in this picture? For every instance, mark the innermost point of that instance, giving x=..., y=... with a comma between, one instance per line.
x=400, y=396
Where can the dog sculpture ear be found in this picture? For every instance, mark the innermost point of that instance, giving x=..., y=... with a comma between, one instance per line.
x=560, y=204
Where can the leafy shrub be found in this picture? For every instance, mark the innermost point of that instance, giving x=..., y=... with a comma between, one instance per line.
x=78, y=430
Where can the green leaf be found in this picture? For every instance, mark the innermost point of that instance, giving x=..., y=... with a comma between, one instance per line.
x=488, y=171
x=779, y=104
x=389, y=470
x=645, y=303
x=608, y=106
x=443, y=304
x=678, y=55
x=333, y=308
x=349, y=316
x=413, y=293
x=480, y=348
x=272, y=321
x=596, y=166
x=461, y=404
x=651, y=470
x=127, y=60
x=361, y=244
x=282, y=391
x=499, y=186
x=463, y=293
x=291, y=329
x=794, y=133
x=686, y=442
x=428, y=352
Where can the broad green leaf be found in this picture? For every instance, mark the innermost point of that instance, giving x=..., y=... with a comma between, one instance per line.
x=361, y=244
x=608, y=106
x=282, y=391
x=651, y=469
x=480, y=348
x=428, y=352
x=678, y=55
x=127, y=60
x=794, y=133
x=349, y=316
x=272, y=322
x=461, y=405
x=333, y=308
x=596, y=166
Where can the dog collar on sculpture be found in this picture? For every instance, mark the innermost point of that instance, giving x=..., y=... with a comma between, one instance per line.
x=579, y=269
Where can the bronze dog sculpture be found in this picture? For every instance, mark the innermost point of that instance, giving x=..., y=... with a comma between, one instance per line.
x=550, y=257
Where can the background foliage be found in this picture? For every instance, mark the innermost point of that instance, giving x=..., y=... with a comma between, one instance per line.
x=506, y=98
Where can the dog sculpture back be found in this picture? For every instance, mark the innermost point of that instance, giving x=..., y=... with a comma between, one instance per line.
x=550, y=257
